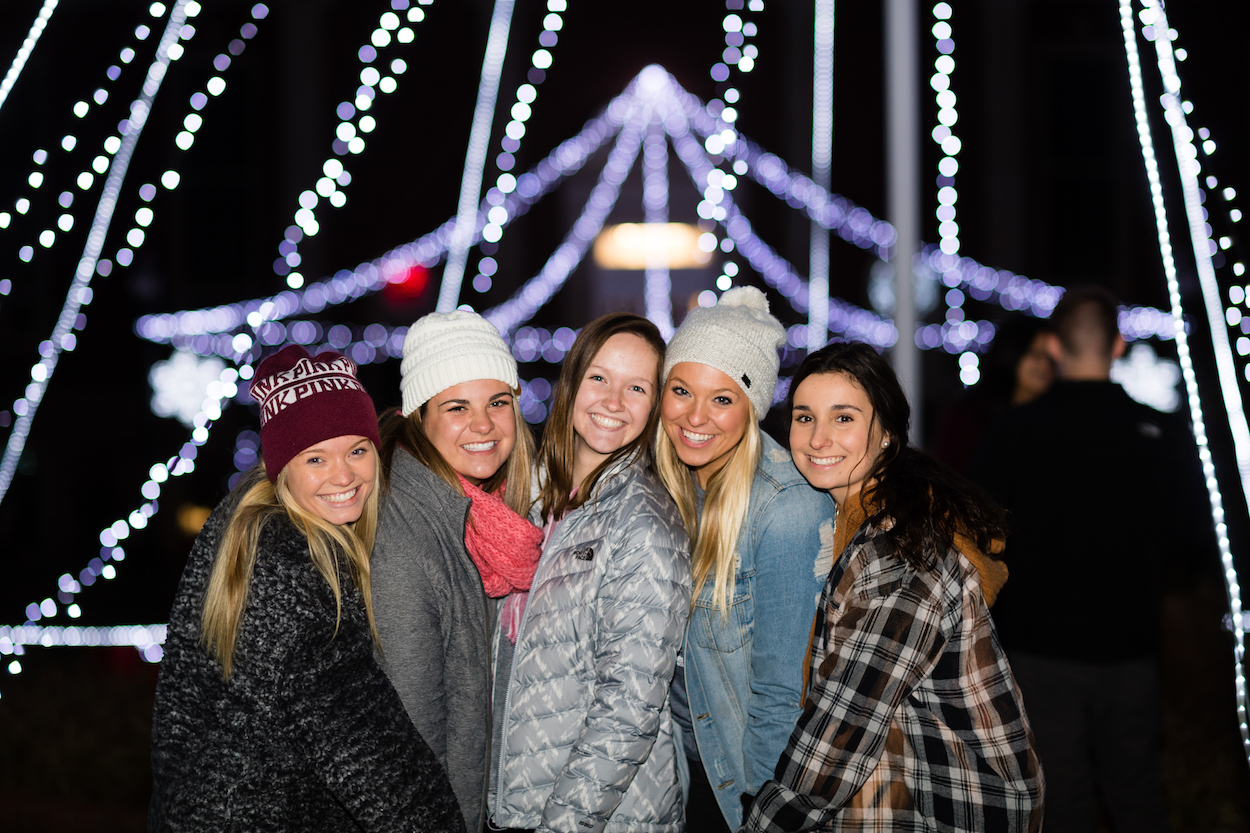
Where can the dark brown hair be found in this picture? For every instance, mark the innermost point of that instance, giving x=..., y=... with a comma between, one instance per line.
x=927, y=503
x=559, y=446
x=1087, y=320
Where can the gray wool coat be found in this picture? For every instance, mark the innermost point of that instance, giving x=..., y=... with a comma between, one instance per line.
x=307, y=734
x=435, y=623
x=587, y=736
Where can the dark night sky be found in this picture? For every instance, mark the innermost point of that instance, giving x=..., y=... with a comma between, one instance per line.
x=1051, y=186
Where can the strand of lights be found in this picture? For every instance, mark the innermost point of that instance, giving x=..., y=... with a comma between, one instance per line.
x=658, y=285
x=822, y=167
x=219, y=392
x=148, y=639
x=185, y=138
x=475, y=158
x=740, y=55
x=349, y=138
x=538, y=290
x=948, y=195
x=514, y=131
x=565, y=160
x=80, y=290
x=844, y=318
x=69, y=142
x=1188, y=177
x=27, y=47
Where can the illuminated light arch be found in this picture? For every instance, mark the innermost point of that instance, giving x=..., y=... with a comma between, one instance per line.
x=1189, y=168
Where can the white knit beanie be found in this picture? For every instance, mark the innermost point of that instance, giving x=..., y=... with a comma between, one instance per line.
x=444, y=349
x=739, y=338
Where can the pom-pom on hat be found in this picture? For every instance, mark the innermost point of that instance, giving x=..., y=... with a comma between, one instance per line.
x=444, y=349
x=304, y=400
x=739, y=338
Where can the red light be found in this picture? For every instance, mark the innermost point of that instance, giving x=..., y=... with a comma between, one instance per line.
x=409, y=286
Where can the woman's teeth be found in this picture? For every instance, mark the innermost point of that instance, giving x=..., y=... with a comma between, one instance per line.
x=824, y=461
x=607, y=423
x=486, y=446
x=696, y=438
x=341, y=497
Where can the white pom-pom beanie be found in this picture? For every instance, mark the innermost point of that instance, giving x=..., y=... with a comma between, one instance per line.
x=444, y=349
x=739, y=338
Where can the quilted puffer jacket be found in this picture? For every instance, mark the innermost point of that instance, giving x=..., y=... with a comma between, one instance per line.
x=587, y=741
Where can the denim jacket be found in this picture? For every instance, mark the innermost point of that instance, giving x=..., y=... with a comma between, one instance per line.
x=744, y=673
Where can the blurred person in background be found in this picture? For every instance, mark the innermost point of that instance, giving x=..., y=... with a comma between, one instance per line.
x=1016, y=370
x=1106, y=505
x=271, y=711
x=587, y=738
x=454, y=550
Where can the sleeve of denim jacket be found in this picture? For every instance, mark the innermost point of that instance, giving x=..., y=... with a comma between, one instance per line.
x=641, y=607
x=792, y=561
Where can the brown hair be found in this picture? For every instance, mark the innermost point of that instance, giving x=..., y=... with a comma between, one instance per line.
x=559, y=447
x=1087, y=321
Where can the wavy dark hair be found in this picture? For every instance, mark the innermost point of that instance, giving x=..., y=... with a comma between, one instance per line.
x=927, y=503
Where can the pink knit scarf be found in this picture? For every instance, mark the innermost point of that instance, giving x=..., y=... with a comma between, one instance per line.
x=505, y=549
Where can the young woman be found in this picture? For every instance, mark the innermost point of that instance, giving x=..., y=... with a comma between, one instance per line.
x=587, y=743
x=912, y=720
x=453, y=547
x=271, y=712
x=762, y=540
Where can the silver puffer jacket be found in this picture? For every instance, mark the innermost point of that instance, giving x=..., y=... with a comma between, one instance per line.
x=587, y=737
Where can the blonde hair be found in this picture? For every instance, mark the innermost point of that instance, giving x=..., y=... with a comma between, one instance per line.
x=396, y=429
x=714, y=537
x=261, y=501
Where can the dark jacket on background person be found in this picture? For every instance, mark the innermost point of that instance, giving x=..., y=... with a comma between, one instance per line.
x=307, y=734
x=435, y=623
x=1105, y=498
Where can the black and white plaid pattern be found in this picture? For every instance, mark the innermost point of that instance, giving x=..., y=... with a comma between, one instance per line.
x=913, y=721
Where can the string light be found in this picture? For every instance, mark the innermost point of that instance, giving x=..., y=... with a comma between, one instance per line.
x=475, y=159
x=80, y=290
x=27, y=47
x=538, y=290
x=658, y=287
x=147, y=639
x=218, y=392
x=349, y=135
x=191, y=122
x=36, y=178
x=1189, y=170
x=565, y=160
x=822, y=166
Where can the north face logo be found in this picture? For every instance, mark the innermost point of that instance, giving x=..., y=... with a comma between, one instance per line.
x=584, y=553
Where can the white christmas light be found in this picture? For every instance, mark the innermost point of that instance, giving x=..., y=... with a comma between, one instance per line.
x=79, y=292
x=1189, y=167
x=28, y=46
x=822, y=161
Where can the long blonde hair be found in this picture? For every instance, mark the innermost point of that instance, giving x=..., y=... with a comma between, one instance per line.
x=261, y=501
x=396, y=429
x=725, y=504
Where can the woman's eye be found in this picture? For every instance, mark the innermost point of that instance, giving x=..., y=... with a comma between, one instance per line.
x=502, y=403
x=312, y=461
x=678, y=390
x=724, y=400
x=638, y=388
x=595, y=377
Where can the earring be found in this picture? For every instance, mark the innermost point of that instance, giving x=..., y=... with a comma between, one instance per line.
x=885, y=444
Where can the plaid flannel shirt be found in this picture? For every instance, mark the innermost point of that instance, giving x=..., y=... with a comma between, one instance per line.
x=913, y=721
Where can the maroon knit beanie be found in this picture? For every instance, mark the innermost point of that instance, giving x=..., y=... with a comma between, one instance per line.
x=305, y=400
